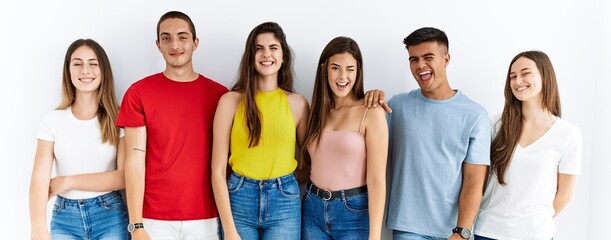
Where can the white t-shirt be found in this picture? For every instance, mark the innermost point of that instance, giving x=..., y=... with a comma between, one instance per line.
x=78, y=147
x=523, y=208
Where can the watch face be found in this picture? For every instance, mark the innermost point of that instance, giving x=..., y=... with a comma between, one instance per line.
x=130, y=227
x=464, y=233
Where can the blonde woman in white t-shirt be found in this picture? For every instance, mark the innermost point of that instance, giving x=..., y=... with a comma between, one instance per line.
x=535, y=156
x=81, y=139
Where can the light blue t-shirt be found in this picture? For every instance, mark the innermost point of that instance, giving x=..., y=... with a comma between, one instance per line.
x=429, y=141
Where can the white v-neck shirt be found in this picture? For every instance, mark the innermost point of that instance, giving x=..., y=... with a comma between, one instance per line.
x=78, y=147
x=523, y=208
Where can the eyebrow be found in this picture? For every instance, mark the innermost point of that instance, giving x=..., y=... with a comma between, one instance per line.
x=271, y=45
x=425, y=55
x=168, y=34
x=80, y=59
x=335, y=64
x=521, y=70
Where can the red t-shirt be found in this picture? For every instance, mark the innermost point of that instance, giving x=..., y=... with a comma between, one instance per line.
x=178, y=117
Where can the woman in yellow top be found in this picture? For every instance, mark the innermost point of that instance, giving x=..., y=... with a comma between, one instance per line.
x=257, y=125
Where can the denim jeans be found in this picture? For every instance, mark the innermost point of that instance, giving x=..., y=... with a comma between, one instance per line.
x=101, y=217
x=345, y=218
x=265, y=209
x=401, y=235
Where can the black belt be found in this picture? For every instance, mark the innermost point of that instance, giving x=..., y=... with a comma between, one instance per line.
x=328, y=195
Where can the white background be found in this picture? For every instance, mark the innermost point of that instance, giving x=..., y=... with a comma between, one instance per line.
x=484, y=36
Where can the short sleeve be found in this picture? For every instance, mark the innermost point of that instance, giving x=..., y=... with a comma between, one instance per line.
x=131, y=112
x=45, y=129
x=570, y=163
x=478, y=151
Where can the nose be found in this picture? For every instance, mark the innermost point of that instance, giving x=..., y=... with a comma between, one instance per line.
x=267, y=53
x=421, y=64
x=343, y=74
x=175, y=44
x=86, y=69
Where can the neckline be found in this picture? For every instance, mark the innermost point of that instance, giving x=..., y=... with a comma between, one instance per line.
x=73, y=117
x=518, y=146
x=259, y=92
x=457, y=93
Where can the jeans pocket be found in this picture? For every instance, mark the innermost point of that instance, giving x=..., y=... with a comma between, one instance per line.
x=114, y=204
x=290, y=189
x=357, y=203
x=234, y=183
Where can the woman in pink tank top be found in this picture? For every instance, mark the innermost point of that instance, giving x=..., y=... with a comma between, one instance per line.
x=345, y=150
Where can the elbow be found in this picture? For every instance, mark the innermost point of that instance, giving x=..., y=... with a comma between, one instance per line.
x=218, y=177
x=564, y=200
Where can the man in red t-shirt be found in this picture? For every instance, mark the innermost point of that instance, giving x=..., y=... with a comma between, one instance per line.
x=168, y=120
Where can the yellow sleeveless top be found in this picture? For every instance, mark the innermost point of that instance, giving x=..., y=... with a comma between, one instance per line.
x=275, y=154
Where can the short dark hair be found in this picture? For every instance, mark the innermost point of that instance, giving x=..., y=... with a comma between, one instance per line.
x=179, y=15
x=426, y=34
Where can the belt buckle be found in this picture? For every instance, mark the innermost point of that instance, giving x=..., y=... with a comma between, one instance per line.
x=327, y=198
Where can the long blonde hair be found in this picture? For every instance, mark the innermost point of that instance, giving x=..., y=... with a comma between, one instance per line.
x=108, y=107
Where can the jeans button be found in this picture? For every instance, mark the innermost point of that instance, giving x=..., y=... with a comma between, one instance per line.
x=80, y=202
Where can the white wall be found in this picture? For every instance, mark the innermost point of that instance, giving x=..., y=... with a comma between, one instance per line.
x=600, y=192
x=484, y=36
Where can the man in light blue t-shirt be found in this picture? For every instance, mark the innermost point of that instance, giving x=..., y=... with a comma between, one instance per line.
x=439, y=149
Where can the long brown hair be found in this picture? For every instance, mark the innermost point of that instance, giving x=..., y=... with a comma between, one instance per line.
x=247, y=80
x=108, y=108
x=322, y=97
x=510, y=131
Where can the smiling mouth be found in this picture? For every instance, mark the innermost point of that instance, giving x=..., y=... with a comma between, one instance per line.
x=521, y=88
x=426, y=75
x=267, y=63
x=342, y=85
x=86, y=80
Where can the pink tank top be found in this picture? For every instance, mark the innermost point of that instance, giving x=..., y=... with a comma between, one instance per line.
x=340, y=162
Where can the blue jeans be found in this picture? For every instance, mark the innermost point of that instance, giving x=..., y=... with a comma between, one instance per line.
x=265, y=209
x=101, y=217
x=345, y=218
x=401, y=235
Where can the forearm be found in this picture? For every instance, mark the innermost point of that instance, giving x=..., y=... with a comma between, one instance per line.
x=471, y=194
x=564, y=191
x=221, y=197
x=468, y=207
x=39, y=196
x=134, y=186
x=377, y=196
x=96, y=182
x=559, y=204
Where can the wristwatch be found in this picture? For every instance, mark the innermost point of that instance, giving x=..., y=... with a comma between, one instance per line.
x=463, y=232
x=132, y=226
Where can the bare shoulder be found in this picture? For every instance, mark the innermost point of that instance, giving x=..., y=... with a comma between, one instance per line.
x=377, y=112
x=376, y=116
x=230, y=97
x=296, y=99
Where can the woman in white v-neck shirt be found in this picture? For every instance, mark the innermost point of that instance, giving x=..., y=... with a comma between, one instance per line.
x=81, y=140
x=535, y=156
